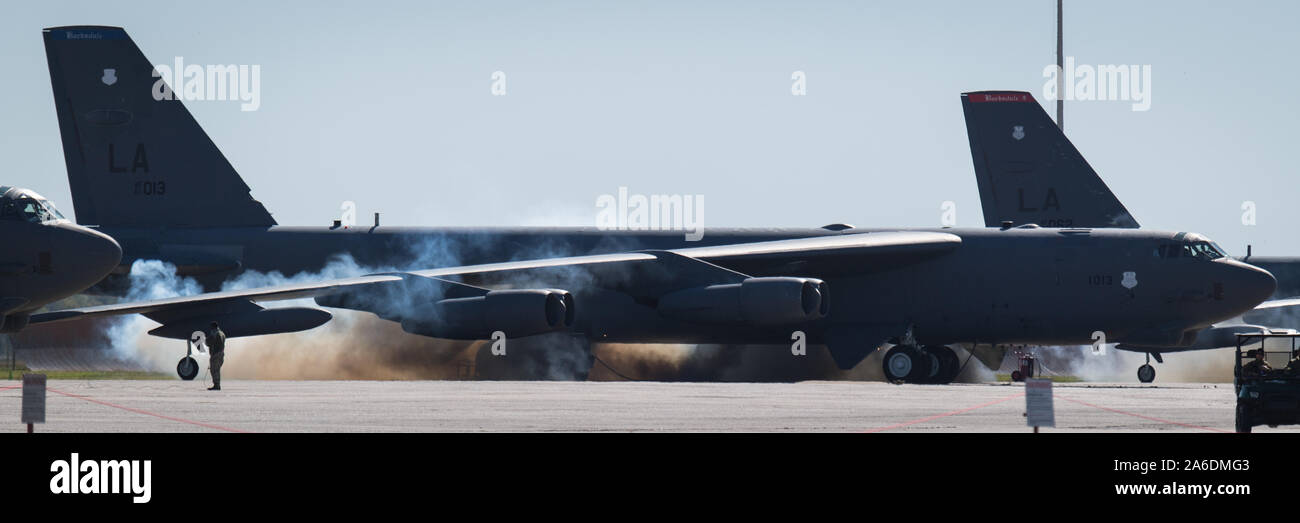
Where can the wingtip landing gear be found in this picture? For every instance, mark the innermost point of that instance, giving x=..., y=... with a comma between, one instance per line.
x=187, y=368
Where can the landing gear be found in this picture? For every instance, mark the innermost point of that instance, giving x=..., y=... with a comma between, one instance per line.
x=912, y=364
x=906, y=363
x=1147, y=373
x=949, y=365
x=187, y=368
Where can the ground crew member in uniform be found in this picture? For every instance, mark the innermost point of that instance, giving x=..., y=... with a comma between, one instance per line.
x=1258, y=367
x=217, y=349
x=1293, y=368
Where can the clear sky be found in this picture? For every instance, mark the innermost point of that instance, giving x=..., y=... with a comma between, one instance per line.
x=389, y=105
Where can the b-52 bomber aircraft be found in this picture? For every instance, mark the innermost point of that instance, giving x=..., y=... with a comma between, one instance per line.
x=142, y=170
x=851, y=291
x=45, y=256
x=1028, y=172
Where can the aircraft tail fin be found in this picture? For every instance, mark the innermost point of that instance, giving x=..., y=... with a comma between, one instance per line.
x=1029, y=172
x=133, y=159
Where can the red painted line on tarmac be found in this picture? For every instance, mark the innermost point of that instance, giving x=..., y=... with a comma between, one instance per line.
x=11, y=387
x=1136, y=415
x=946, y=414
x=145, y=412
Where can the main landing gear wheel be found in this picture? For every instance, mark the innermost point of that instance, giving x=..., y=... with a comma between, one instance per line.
x=187, y=368
x=907, y=364
x=948, y=365
x=1146, y=373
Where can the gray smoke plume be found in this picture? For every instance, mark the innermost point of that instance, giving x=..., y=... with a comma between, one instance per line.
x=744, y=363
x=354, y=345
x=1117, y=366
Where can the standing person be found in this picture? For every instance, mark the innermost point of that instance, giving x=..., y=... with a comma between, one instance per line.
x=217, y=348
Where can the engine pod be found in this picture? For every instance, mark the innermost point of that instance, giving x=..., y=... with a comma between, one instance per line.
x=755, y=301
x=516, y=313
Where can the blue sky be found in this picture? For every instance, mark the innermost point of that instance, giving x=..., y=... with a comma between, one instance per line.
x=388, y=104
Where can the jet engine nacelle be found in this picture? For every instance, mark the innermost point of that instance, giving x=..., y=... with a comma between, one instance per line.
x=756, y=301
x=517, y=313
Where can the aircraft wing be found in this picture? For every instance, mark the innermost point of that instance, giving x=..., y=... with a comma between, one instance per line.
x=641, y=274
x=819, y=255
x=1277, y=304
x=166, y=307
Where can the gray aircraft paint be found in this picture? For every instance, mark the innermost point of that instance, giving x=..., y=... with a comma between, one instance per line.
x=1028, y=171
x=123, y=148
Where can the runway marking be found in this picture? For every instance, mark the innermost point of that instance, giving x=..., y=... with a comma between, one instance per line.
x=145, y=412
x=946, y=414
x=1136, y=415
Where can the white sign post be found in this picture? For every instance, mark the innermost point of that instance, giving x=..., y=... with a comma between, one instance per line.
x=33, y=399
x=1038, y=403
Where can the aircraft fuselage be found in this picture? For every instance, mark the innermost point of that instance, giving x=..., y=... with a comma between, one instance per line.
x=1039, y=286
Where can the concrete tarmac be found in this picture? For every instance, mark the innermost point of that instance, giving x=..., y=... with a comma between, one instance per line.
x=460, y=406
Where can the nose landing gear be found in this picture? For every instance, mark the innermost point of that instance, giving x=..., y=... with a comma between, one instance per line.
x=1147, y=373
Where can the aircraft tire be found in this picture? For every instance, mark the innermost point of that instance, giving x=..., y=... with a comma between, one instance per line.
x=949, y=365
x=1146, y=373
x=187, y=368
x=908, y=364
x=901, y=364
x=935, y=375
x=1243, y=419
x=921, y=372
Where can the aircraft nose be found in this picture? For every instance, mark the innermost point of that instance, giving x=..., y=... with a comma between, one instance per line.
x=1249, y=285
x=103, y=251
x=97, y=253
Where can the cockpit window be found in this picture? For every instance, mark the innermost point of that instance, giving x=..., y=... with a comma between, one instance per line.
x=51, y=211
x=29, y=210
x=1197, y=249
x=1207, y=250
